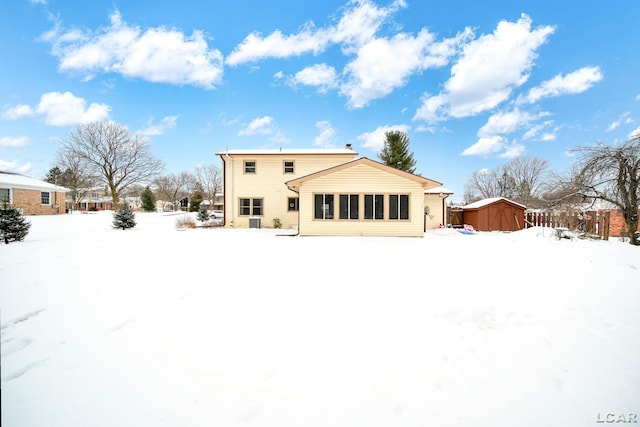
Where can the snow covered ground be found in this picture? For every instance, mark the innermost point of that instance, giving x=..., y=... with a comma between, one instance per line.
x=155, y=326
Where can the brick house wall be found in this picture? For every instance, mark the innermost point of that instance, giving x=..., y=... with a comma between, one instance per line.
x=30, y=202
x=616, y=223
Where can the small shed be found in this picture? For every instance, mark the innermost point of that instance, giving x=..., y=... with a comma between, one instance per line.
x=495, y=214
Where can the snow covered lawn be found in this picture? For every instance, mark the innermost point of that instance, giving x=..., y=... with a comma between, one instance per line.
x=211, y=327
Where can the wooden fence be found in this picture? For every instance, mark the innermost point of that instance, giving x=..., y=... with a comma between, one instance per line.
x=589, y=222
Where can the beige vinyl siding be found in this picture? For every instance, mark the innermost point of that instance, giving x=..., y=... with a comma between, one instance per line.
x=362, y=179
x=434, y=218
x=268, y=183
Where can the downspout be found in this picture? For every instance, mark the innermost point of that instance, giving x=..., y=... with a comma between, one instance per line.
x=224, y=189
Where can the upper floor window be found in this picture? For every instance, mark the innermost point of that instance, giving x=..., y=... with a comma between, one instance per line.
x=45, y=198
x=289, y=166
x=249, y=166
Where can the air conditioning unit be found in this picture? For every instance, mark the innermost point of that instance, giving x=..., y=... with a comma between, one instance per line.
x=254, y=222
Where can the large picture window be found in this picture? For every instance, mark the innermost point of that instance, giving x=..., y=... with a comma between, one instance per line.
x=398, y=206
x=45, y=198
x=349, y=204
x=373, y=206
x=323, y=206
x=251, y=207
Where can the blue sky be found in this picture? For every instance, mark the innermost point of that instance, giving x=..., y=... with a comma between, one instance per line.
x=473, y=85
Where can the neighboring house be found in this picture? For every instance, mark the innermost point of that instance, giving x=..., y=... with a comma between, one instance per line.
x=254, y=183
x=435, y=209
x=33, y=196
x=361, y=198
x=95, y=199
x=495, y=214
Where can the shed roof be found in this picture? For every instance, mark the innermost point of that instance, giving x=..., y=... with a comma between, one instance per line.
x=16, y=180
x=490, y=201
x=426, y=182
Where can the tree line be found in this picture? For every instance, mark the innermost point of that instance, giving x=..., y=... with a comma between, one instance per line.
x=107, y=155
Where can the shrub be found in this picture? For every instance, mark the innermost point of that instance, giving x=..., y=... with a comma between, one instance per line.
x=277, y=223
x=124, y=217
x=185, y=222
x=13, y=226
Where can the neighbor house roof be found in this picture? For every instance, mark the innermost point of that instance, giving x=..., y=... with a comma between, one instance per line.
x=288, y=151
x=16, y=180
x=489, y=201
x=426, y=182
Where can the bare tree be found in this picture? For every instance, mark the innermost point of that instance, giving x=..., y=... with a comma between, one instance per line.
x=111, y=155
x=612, y=174
x=72, y=174
x=174, y=187
x=210, y=179
x=522, y=180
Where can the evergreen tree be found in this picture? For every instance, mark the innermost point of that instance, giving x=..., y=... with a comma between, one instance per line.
x=203, y=214
x=13, y=225
x=124, y=217
x=148, y=200
x=195, y=200
x=395, y=152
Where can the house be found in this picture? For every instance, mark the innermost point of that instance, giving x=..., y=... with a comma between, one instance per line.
x=361, y=198
x=254, y=183
x=435, y=208
x=494, y=214
x=95, y=199
x=33, y=196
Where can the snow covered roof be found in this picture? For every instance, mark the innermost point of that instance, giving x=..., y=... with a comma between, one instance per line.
x=16, y=180
x=490, y=200
x=438, y=190
x=288, y=151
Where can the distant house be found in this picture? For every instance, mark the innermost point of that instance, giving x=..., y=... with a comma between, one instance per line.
x=95, y=199
x=495, y=214
x=33, y=196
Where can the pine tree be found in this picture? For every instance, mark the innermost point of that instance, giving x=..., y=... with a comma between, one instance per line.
x=203, y=214
x=148, y=200
x=395, y=152
x=124, y=217
x=13, y=225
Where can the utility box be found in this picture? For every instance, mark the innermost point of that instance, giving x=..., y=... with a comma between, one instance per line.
x=254, y=222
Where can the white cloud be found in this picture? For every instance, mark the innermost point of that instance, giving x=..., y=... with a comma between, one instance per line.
x=66, y=109
x=160, y=55
x=359, y=22
x=485, y=146
x=507, y=122
x=513, y=150
x=625, y=118
x=572, y=83
x=375, y=139
x=20, y=141
x=488, y=71
x=327, y=136
x=18, y=112
x=154, y=129
x=385, y=64
x=635, y=133
x=322, y=76
x=638, y=97
x=266, y=126
x=13, y=166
